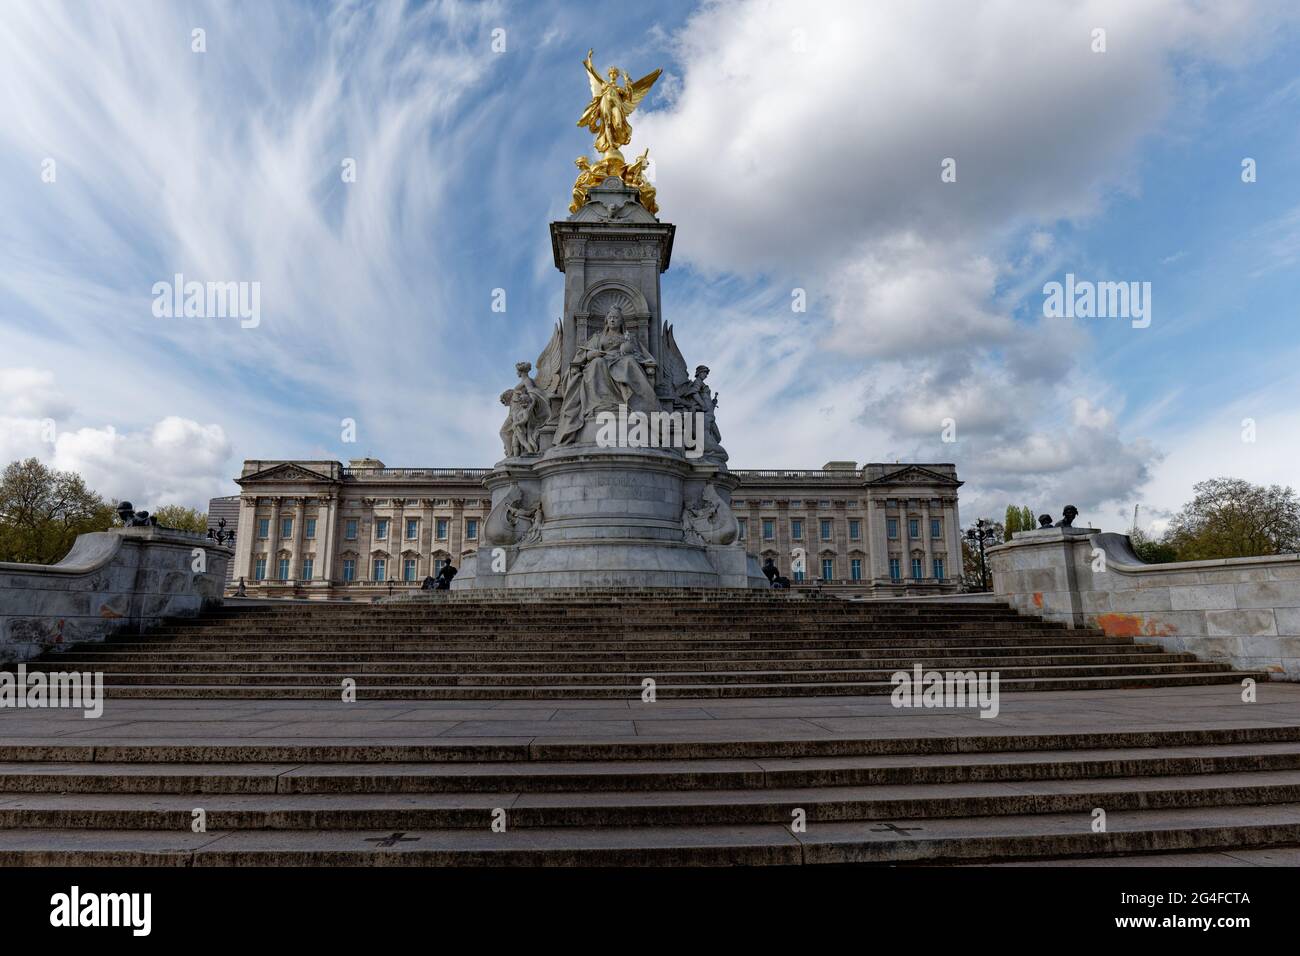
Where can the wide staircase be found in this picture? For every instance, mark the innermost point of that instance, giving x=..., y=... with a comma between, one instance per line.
x=497, y=646
x=924, y=800
x=917, y=797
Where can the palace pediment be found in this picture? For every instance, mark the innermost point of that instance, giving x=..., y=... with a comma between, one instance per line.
x=915, y=475
x=285, y=472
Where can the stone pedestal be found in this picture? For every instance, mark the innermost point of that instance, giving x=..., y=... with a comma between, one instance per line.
x=580, y=513
x=1037, y=572
x=612, y=517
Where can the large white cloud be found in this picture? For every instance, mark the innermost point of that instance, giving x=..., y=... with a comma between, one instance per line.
x=804, y=143
x=175, y=460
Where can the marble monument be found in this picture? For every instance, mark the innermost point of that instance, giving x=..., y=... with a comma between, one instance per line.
x=571, y=505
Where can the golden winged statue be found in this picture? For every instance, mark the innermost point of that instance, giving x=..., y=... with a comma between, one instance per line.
x=606, y=115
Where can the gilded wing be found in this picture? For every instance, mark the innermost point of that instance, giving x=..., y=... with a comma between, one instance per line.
x=674, y=370
x=548, y=363
x=637, y=91
x=597, y=84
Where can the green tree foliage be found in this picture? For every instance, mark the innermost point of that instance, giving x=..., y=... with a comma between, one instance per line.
x=1018, y=519
x=1012, y=521
x=1231, y=518
x=1152, y=550
x=182, y=518
x=43, y=510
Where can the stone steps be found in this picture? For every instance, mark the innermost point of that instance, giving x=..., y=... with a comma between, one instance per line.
x=924, y=800
x=265, y=653
x=605, y=648
x=274, y=664
x=427, y=811
x=641, y=775
x=374, y=690
x=409, y=676
x=580, y=650
x=961, y=840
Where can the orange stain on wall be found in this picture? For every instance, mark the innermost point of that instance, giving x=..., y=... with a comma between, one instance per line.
x=1132, y=625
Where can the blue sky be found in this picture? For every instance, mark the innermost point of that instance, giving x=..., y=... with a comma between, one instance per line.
x=797, y=146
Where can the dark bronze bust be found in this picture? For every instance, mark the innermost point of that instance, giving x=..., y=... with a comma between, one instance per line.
x=1068, y=516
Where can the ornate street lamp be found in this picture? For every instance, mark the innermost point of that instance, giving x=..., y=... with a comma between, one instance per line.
x=977, y=536
x=221, y=535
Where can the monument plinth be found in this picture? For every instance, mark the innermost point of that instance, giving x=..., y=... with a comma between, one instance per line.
x=615, y=474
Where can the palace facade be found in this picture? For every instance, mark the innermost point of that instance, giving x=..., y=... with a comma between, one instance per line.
x=321, y=529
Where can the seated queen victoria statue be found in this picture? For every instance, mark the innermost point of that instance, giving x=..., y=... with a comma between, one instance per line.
x=607, y=371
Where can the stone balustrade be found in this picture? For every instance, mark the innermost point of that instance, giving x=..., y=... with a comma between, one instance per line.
x=1244, y=612
x=124, y=579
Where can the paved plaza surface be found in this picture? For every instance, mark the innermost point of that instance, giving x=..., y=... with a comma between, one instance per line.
x=1187, y=775
x=308, y=722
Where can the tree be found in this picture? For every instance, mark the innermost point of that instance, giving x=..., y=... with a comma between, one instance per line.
x=182, y=518
x=1231, y=518
x=43, y=510
x=1012, y=521
x=1152, y=550
x=1018, y=519
x=971, y=580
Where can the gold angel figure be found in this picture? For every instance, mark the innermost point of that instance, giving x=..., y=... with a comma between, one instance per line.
x=606, y=115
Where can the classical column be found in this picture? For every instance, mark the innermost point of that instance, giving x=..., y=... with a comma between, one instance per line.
x=878, y=525
x=426, y=543
x=299, y=537
x=952, y=533
x=399, y=521
x=455, y=533
x=326, y=519
x=273, y=542
x=927, y=569
x=840, y=539
x=781, y=539
x=245, y=539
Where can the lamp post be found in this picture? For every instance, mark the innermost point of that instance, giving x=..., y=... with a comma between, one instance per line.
x=221, y=535
x=977, y=536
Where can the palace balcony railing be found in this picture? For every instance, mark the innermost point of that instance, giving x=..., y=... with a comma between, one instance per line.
x=371, y=474
x=796, y=474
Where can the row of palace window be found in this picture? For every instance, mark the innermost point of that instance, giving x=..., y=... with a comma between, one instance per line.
x=826, y=528
x=378, y=569
x=895, y=569
x=918, y=569
x=381, y=528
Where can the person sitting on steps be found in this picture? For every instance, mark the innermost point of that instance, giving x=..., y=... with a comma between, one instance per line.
x=443, y=581
x=773, y=575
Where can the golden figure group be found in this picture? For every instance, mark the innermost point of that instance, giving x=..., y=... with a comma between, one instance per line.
x=606, y=116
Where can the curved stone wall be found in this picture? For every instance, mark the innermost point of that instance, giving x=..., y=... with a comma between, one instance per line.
x=1244, y=612
x=124, y=579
